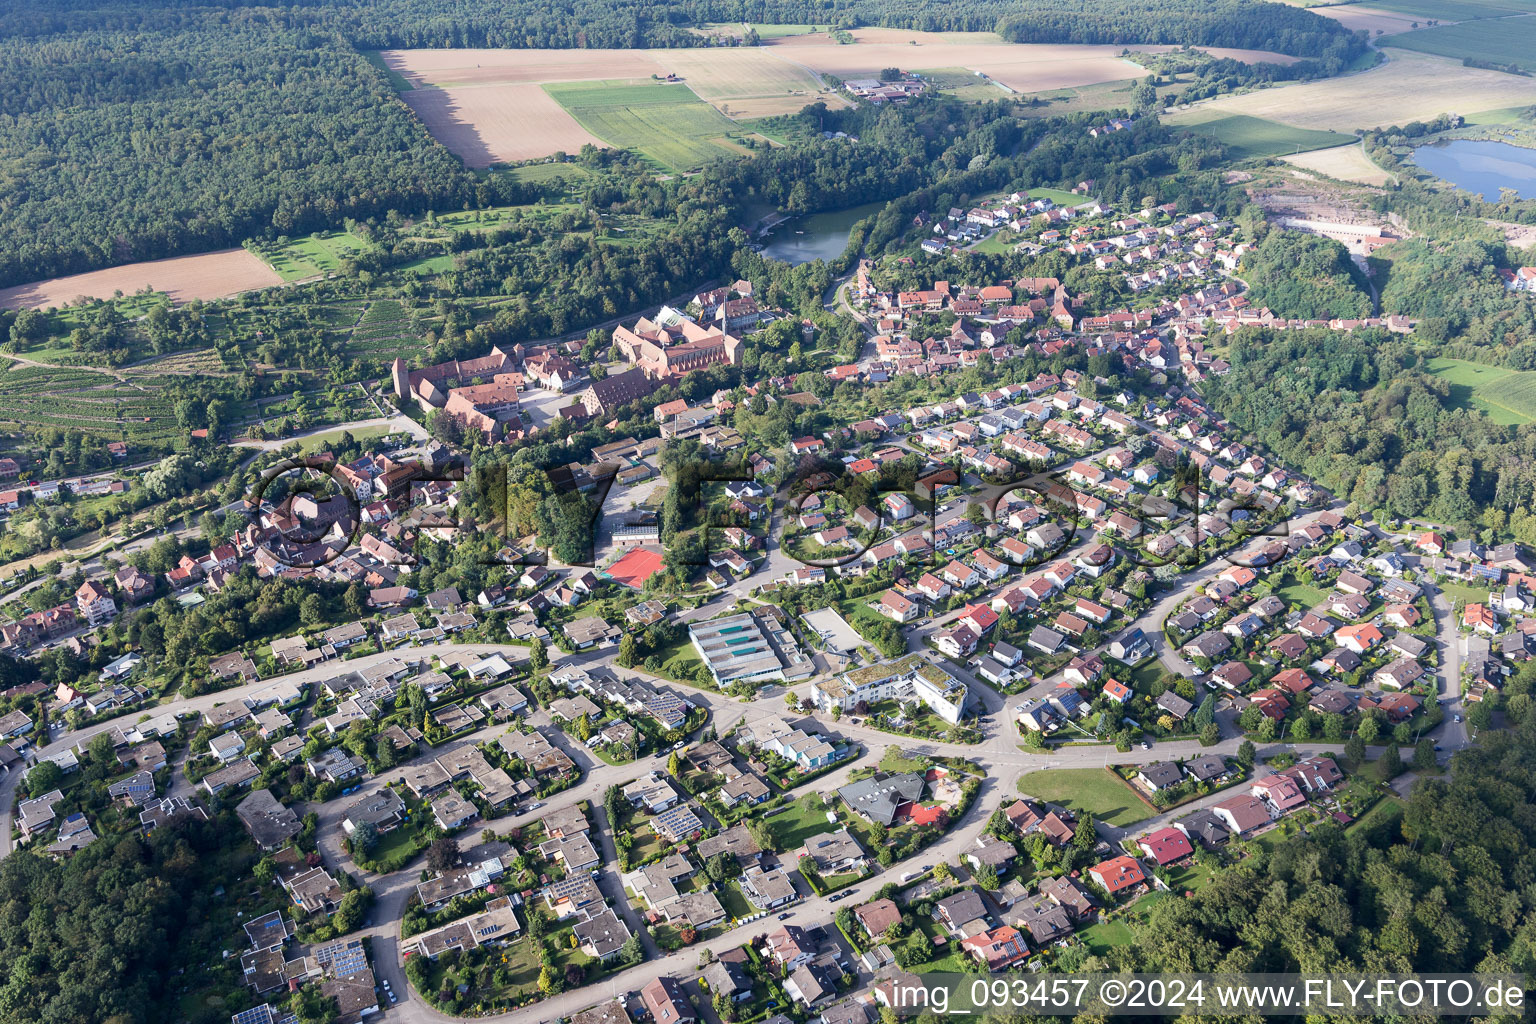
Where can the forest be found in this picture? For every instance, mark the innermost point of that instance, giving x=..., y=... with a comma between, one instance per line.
x=1357, y=413
x=1452, y=287
x=133, y=133
x=179, y=134
x=383, y=24
x=1305, y=277
x=102, y=935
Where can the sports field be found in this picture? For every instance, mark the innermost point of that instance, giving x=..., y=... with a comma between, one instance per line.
x=667, y=123
x=1509, y=40
x=1249, y=137
x=1345, y=163
x=1409, y=87
x=210, y=275
x=1506, y=396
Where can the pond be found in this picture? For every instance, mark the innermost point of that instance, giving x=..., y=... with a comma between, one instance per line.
x=821, y=236
x=1481, y=167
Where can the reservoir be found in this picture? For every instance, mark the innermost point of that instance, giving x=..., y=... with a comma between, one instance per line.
x=1481, y=167
x=821, y=236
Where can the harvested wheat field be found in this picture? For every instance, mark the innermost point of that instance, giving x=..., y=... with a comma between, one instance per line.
x=1409, y=87
x=209, y=275
x=1346, y=163
x=487, y=124
x=1371, y=19
x=747, y=82
x=1022, y=67
x=472, y=67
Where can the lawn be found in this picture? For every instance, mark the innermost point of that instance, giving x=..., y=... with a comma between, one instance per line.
x=734, y=902
x=1505, y=396
x=667, y=123
x=320, y=253
x=394, y=842
x=1081, y=99
x=647, y=845
x=893, y=761
x=1106, y=935
x=1087, y=790
x=1249, y=137
x=428, y=265
x=1147, y=673
x=792, y=827
x=995, y=244
x=782, y=31
x=951, y=960
x=1190, y=877
x=1058, y=196
x=1300, y=594
x=1383, y=812
x=539, y=174
x=680, y=661
x=1462, y=593
x=318, y=442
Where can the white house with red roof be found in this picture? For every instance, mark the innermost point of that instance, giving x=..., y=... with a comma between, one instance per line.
x=1000, y=948
x=95, y=602
x=1119, y=875
x=1165, y=846
x=1280, y=792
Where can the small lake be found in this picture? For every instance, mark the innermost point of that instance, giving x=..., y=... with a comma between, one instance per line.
x=821, y=236
x=1481, y=167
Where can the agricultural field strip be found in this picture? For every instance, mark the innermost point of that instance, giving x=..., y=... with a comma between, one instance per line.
x=498, y=122
x=1494, y=389
x=1345, y=163
x=669, y=123
x=1510, y=40
x=208, y=275
x=1410, y=86
x=1250, y=137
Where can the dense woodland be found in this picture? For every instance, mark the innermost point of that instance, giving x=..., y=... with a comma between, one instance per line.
x=381, y=24
x=187, y=127
x=123, y=144
x=1355, y=412
x=102, y=935
x=1303, y=276
x=1451, y=286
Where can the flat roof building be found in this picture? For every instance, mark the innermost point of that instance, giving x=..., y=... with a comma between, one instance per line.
x=736, y=649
